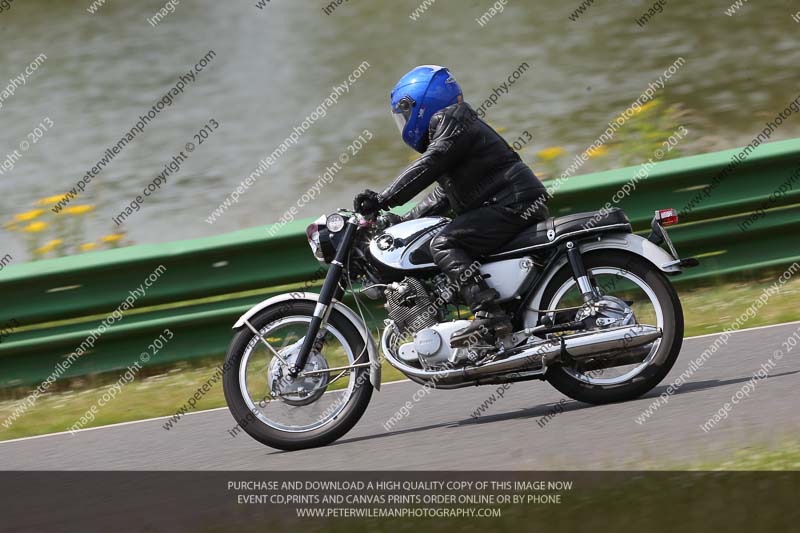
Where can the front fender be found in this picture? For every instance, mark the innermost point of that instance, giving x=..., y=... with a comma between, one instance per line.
x=349, y=314
x=629, y=242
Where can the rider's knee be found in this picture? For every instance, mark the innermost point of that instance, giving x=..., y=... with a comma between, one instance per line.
x=441, y=244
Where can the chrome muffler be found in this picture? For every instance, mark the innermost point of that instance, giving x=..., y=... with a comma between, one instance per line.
x=595, y=343
x=535, y=356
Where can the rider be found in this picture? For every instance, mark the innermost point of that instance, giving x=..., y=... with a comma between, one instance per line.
x=481, y=179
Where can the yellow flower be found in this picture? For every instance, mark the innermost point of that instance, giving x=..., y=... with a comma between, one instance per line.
x=598, y=151
x=85, y=247
x=28, y=215
x=50, y=200
x=35, y=227
x=112, y=238
x=551, y=153
x=49, y=247
x=78, y=209
x=649, y=105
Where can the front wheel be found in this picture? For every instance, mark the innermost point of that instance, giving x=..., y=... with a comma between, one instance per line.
x=291, y=413
x=653, y=300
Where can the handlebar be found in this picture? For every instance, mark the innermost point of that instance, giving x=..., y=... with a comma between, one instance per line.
x=363, y=220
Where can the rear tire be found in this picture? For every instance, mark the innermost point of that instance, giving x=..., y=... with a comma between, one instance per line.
x=668, y=349
x=286, y=440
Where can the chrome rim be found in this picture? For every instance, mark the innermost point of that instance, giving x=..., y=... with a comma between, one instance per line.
x=592, y=377
x=258, y=362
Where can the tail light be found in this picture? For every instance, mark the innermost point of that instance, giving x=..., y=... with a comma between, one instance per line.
x=658, y=236
x=667, y=217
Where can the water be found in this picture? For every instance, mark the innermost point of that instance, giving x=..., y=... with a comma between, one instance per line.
x=275, y=66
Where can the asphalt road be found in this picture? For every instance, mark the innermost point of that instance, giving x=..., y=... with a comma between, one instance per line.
x=441, y=434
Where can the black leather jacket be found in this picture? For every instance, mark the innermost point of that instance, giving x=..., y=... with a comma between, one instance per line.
x=473, y=165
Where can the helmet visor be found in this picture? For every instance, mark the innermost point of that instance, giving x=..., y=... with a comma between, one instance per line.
x=400, y=120
x=402, y=112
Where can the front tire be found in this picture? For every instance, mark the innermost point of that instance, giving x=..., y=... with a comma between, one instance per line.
x=587, y=390
x=248, y=414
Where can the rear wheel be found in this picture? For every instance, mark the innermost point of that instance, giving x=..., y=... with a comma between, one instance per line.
x=654, y=302
x=312, y=409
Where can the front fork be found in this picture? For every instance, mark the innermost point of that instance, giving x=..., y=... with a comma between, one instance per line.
x=330, y=290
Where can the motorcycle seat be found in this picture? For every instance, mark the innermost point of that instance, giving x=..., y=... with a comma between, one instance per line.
x=557, y=229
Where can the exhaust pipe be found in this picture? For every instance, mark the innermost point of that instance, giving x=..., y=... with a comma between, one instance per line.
x=633, y=356
x=594, y=343
x=535, y=356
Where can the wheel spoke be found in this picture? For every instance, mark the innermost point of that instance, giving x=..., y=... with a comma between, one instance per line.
x=342, y=373
x=646, y=310
x=304, y=402
x=268, y=345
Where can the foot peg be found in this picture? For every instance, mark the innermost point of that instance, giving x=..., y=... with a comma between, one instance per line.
x=483, y=330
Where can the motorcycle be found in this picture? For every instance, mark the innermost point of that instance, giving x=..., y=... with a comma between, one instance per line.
x=593, y=311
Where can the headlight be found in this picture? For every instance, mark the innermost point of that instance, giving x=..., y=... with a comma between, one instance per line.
x=312, y=233
x=319, y=238
x=335, y=223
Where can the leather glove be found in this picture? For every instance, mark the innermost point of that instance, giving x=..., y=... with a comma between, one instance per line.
x=389, y=219
x=368, y=203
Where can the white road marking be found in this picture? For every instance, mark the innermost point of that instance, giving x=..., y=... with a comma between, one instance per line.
x=21, y=439
x=118, y=424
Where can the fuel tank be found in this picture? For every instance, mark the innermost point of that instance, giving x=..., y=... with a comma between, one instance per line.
x=405, y=247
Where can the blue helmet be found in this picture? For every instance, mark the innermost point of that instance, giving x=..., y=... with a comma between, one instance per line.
x=417, y=96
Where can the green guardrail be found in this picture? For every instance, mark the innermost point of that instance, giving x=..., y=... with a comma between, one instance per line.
x=207, y=283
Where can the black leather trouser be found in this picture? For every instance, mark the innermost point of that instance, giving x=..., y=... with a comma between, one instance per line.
x=474, y=234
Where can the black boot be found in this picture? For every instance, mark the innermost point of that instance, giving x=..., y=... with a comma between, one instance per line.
x=490, y=321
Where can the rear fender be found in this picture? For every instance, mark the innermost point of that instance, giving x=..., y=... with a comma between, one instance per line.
x=349, y=314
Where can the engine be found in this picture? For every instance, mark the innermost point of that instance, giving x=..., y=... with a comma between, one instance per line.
x=410, y=306
x=424, y=336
